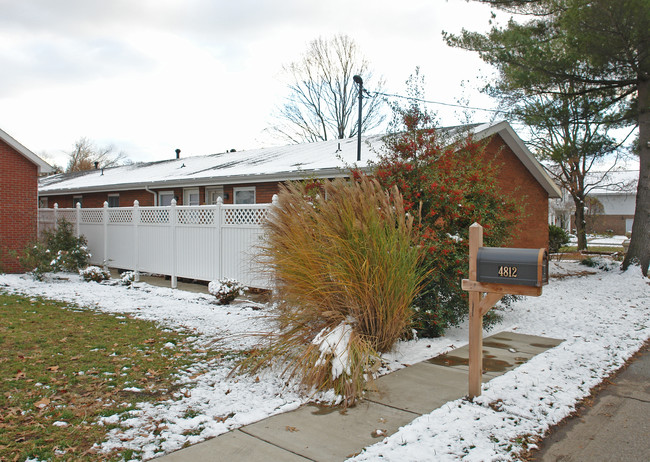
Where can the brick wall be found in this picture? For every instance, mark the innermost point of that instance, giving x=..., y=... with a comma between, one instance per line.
x=18, y=193
x=515, y=180
x=263, y=195
x=601, y=224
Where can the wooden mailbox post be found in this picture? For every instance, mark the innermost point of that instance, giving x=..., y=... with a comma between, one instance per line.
x=494, y=272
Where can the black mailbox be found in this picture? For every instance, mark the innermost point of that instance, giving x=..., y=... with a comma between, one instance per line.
x=526, y=267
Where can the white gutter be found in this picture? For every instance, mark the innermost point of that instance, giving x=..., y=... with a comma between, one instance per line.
x=155, y=195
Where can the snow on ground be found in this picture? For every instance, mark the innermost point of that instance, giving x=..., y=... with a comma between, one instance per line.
x=604, y=317
x=598, y=240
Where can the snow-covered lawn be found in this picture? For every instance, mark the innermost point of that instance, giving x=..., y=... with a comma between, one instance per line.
x=596, y=240
x=604, y=317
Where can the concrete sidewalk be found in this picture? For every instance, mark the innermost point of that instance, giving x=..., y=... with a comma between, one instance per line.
x=326, y=434
x=615, y=427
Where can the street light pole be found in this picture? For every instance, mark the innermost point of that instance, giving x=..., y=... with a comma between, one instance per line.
x=359, y=81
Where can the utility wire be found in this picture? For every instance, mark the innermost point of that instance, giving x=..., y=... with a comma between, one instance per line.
x=390, y=95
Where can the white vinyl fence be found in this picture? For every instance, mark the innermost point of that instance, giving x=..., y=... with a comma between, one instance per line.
x=203, y=242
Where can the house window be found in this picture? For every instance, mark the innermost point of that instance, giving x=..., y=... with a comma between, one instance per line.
x=165, y=198
x=42, y=202
x=113, y=200
x=244, y=195
x=77, y=200
x=211, y=194
x=191, y=196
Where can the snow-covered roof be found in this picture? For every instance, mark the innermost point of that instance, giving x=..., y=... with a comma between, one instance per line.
x=43, y=167
x=619, y=182
x=325, y=159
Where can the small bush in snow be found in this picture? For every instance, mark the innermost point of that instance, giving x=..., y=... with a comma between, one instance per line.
x=95, y=273
x=127, y=278
x=226, y=290
x=60, y=250
x=600, y=263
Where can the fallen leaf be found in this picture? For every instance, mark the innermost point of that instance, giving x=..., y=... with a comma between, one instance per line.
x=42, y=403
x=53, y=368
x=291, y=429
x=20, y=375
x=150, y=340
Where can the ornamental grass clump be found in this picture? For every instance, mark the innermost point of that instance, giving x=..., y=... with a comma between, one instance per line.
x=346, y=272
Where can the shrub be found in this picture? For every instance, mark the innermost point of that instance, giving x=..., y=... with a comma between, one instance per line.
x=59, y=250
x=127, y=278
x=346, y=274
x=95, y=273
x=598, y=262
x=557, y=238
x=448, y=189
x=226, y=290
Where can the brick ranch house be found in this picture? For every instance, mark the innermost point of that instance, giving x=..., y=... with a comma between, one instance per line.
x=610, y=204
x=19, y=171
x=253, y=177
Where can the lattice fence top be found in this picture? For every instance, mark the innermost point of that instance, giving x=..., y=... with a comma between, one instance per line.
x=196, y=216
x=46, y=215
x=92, y=215
x=254, y=215
x=68, y=215
x=244, y=216
x=120, y=215
x=154, y=215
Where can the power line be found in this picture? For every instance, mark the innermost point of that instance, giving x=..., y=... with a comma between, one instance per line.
x=391, y=95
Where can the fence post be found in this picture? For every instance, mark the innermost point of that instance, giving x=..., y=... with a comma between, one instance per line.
x=56, y=216
x=78, y=219
x=136, y=240
x=274, y=199
x=217, y=221
x=105, y=223
x=173, y=220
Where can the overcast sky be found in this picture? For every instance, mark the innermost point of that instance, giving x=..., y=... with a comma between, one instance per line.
x=150, y=76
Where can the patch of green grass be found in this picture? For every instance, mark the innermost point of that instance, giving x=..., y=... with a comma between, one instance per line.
x=63, y=363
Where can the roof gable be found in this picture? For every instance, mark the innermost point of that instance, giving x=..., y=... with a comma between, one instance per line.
x=522, y=152
x=43, y=167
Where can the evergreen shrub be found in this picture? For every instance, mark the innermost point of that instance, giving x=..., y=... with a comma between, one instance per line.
x=59, y=250
x=557, y=238
x=448, y=184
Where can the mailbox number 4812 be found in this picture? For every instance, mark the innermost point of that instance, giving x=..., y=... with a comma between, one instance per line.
x=507, y=271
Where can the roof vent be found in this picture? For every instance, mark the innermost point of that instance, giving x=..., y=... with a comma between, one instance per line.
x=178, y=153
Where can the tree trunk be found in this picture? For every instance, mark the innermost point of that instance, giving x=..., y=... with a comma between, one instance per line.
x=639, y=250
x=581, y=231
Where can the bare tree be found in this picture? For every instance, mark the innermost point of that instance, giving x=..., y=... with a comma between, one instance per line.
x=323, y=98
x=87, y=156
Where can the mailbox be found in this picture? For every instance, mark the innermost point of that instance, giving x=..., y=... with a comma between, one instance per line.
x=527, y=267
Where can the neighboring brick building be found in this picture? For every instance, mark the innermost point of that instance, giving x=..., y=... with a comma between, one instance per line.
x=253, y=177
x=19, y=170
